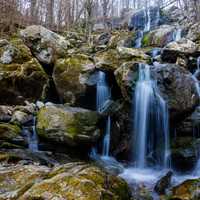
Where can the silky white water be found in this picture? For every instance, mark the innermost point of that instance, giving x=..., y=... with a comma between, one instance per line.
x=106, y=141
x=147, y=20
x=151, y=134
x=138, y=41
x=177, y=34
x=33, y=138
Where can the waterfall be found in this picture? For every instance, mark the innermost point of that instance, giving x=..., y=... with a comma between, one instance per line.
x=194, y=77
x=177, y=34
x=103, y=94
x=198, y=63
x=31, y=136
x=151, y=134
x=138, y=41
x=103, y=91
x=33, y=139
x=106, y=141
x=147, y=20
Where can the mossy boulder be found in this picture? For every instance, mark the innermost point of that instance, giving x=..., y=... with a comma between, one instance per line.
x=131, y=54
x=188, y=190
x=183, y=48
x=107, y=60
x=45, y=44
x=67, y=77
x=159, y=37
x=8, y=132
x=67, y=125
x=81, y=182
x=127, y=76
x=15, y=180
x=22, y=77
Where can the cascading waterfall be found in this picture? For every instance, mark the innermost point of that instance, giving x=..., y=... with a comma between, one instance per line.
x=31, y=136
x=147, y=19
x=177, y=34
x=33, y=139
x=151, y=122
x=138, y=41
x=103, y=94
x=106, y=141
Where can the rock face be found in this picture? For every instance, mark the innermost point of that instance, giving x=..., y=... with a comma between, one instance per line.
x=183, y=48
x=78, y=181
x=22, y=77
x=67, y=125
x=177, y=87
x=44, y=44
x=159, y=37
x=67, y=77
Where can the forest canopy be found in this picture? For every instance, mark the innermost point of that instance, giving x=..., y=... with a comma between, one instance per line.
x=61, y=15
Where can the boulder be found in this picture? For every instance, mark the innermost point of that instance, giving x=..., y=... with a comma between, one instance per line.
x=127, y=76
x=21, y=76
x=159, y=37
x=182, y=48
x=164, y=183
x=107, y=60
x=134, y=54
x=193, y=32
x=15, y=180
x=188, y=190
x=67, y=77
x=9, y=132
x=6, y=113
x=67, y=125
x=184, y=154
x=45, y=44
x=178, y=88
x=77, y=180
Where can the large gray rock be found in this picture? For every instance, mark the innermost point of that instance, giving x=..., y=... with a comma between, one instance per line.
x=70, y=76
x=182, y=48
x=45, y=44
x=177, y=87
x=68, y=125
x=21, y=76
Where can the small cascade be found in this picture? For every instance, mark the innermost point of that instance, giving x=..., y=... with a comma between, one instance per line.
x=177, y=34
x=103, y=91
x=106, y=141
x=103, y=94
x=147, y=20
x=33, y=139
x=138, y=41
x=151, y=122
x=31, y=135
x=194, y=77
x=198, y=63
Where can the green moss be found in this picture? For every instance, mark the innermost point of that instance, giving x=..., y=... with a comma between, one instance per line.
x=8, y=131
x=146, y=40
